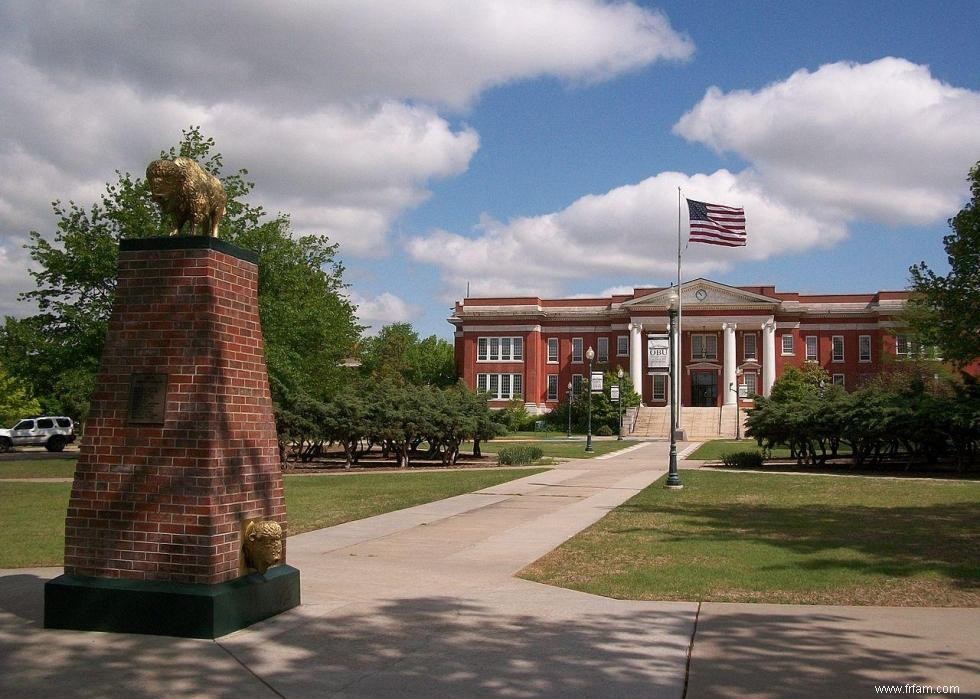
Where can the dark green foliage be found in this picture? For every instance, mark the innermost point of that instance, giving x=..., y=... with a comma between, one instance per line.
x=391, y=415
x=913, y=412
x=742, y=459
x=398, y=353
x=520, y=454
x=604, y=431
x=945, y=313
x=515, y=417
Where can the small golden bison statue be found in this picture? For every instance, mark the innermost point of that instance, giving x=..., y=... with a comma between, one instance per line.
x=188, y=194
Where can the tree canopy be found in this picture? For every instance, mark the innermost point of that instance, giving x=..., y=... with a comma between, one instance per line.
x=398, y=353
x=308, y=323
x=944, y=312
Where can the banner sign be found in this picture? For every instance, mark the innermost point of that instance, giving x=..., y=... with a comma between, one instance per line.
x=614, y=393
x=743, y=390
x=658, y=354
x=597, y=382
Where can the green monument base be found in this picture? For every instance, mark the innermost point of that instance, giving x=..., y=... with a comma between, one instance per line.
x=188, y=610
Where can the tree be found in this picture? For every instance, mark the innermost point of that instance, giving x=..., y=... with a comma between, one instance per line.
x=308, y=323
x=396, y=352
x=944, y=310
x=15, y=402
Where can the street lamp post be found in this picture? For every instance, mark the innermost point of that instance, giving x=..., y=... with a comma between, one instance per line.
x=568, y=395
x=673, y=479
x=590, y=355
x=619, y=374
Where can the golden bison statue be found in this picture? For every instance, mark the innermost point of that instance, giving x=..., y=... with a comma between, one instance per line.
x=187, y=193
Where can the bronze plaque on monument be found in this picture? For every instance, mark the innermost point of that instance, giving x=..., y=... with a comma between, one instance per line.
x=147, y=399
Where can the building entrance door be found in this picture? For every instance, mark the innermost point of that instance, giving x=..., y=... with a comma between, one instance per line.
x=704, y=389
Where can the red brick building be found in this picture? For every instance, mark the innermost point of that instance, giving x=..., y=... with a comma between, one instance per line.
x=533, y=348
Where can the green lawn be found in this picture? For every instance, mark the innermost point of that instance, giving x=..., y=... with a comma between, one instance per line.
x=565, y=449
x=37, y=468
x=744, y=537
x=32, y=515
x=314, y=502
x=32, y=523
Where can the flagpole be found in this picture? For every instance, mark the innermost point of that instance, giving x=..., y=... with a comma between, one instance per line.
x=676, y=389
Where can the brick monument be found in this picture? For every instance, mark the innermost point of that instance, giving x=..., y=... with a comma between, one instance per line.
x=179, y=458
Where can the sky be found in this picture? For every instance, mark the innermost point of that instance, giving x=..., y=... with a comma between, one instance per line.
x=515, y=147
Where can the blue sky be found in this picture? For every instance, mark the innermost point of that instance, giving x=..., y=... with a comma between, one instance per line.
x=529, y=148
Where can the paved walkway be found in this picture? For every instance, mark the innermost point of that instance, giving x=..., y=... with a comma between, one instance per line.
x=423, y=603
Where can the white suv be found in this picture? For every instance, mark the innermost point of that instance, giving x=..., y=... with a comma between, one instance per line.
x=53, y=433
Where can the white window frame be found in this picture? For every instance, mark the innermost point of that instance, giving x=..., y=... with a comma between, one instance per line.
x=602, y=350
x=622, y=345
x=508, y=348
x=863, y=356
x=816, y=348
x=834, y=346
x=838, y=380
x=578, y=344
x=787, y=339
x=501, y=386
x=753, y=389
x=553, y=345
x=912, y=349
x=754, y=355
x=661, y=394
x=552, y=387
x=704, y=341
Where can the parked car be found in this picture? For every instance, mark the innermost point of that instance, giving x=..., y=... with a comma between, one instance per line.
x=51, y=432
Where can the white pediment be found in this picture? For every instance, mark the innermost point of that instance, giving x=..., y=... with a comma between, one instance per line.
x=706, y=294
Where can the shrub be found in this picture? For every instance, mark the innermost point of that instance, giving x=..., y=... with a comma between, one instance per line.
x=742, y=459
x=516, y=455
x=604, y=431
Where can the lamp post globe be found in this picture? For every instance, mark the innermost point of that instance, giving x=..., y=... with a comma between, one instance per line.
x=590, y=355
x=673, y=479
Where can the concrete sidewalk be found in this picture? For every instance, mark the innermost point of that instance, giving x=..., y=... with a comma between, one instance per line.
x=423, y=603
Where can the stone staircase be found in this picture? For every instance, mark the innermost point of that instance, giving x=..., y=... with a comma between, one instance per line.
x=697, y=423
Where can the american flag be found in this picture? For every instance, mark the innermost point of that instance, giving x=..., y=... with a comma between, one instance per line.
x=716, y=225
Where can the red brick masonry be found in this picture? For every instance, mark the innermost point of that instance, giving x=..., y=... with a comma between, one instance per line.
x=166, y=501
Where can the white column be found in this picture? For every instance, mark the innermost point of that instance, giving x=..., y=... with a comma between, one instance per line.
x=729, y=365
x=768, y=355
x=636, y=357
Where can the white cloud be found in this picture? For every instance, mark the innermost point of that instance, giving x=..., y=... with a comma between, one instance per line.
x=333, y=107
x=884, y=141
x=302, y=53
x=384, y=309
x=630, y=231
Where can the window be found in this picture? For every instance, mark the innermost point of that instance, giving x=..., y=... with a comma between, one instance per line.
x=45, y=423
x=751, y=384
x=577, y=350
x=906, y=346
x=500, y=349
x=704, y=347
x=660, y=387
x=837, y=348
x=749, y=347
x=24, y=425
x=864, y=348
x=552, y=350
x=576, y=385
x=623, y=346
x=500, y=386
x=788, y=345
x=839, y=380
x=811, y=348
x=602, y=350
x=552, y=386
